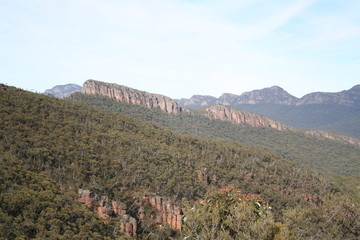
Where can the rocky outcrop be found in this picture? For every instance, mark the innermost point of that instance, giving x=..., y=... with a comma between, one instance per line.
x=226, y=113
x=167, y=212
x=62, y=91
x=333, y=136
x=109, y=209
x=88, y=198
x=132, y=96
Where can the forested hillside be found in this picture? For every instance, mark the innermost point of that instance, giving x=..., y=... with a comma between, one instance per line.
x=324, y=155
x=51, y=147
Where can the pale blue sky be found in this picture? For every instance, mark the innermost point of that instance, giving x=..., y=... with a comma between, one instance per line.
x=180, y=48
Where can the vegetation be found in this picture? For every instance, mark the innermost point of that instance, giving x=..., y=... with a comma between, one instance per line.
x=51, y=147
x=33, y=206
x=323, y=155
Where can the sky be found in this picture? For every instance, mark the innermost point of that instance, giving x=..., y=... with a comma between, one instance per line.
x=180, y=48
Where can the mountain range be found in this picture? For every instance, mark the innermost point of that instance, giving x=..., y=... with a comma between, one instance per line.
x=320, y=110
x=119, y=163
x=338, y=111
x=321, y=150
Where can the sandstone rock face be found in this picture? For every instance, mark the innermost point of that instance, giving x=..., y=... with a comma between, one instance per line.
x=226, y=113
x=334, y=136
x=107, y=209
x=167, y=212
x=130, y=95
x=88, y=198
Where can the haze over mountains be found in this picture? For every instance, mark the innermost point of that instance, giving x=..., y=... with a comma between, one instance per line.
x=61, y=91
x=320, y=110
x=338, y=111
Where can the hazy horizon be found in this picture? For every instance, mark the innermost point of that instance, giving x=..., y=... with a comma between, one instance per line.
x=180, y=48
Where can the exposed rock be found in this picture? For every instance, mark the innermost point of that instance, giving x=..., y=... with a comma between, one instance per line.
x=61, y=91
x=128, y=225
x=88, y=198
x=129, y=95
x=167, y=212
x=105, y=210
x=226, y=113
x=334, y=136
x=119, y=208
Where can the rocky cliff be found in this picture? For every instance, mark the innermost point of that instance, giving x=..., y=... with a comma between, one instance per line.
x=167, y=213
x=236, y=116
x=130, y=95
x=109, y=209
x=226, y=113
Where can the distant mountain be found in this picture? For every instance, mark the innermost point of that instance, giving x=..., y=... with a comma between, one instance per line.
x=273, y=95
x=197, y=101
x=347, y=98
x=323, y=111
x=61, y=91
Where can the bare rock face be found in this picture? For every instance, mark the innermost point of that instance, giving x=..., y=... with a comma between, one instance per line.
x=226, y=113
x=130, y=95
x=345, y=139
x=88, y=198
x=167, y=212
x=107, y=209
x=128, y=225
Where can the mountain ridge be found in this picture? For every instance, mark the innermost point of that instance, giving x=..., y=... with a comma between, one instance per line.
x=276, y=95
x=222, y=112
x=339, y=111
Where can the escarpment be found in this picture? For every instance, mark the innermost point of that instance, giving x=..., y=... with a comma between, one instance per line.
x=110, y=209
x=129, y=95
x=166, y=213
x=226, y=113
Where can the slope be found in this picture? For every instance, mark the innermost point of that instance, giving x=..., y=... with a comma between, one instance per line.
x=78, y=146
x=324, y=155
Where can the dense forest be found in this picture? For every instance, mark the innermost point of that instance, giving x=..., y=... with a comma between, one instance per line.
x=52, y=147
x=324, y=155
